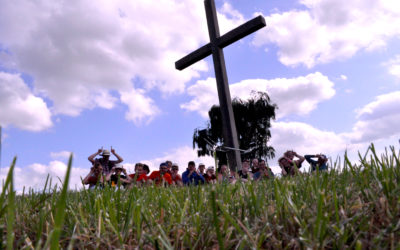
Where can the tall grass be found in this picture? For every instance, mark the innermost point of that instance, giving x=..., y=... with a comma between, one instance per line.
x=357, y=206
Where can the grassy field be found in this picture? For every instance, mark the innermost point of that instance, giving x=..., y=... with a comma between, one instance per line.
x=357, y=207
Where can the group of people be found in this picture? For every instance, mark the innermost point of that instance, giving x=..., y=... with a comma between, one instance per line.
x=105, y=171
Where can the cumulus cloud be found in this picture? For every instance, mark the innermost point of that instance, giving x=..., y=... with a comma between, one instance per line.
x=378, y=119
x=20, y=107
x=328, y=30
x=34, y=176
x=81, y=54
x=60, y=155
x=394, y=66
x=298, y=95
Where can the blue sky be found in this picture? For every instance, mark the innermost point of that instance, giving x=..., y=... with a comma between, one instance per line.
x=79, y=75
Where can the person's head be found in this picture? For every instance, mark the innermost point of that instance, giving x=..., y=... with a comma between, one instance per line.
x=118, y=169
x=169, y=164
x=322, y=159
x=105, y=154
x=263, y=164
x=139, y=168
x=289, y=154
x=254, y=162
x=146, y=169
x=97, y=168
x=245, y=166
x=191, y=165
x=163, y=168
x=210, y=170
x=223, y=169
x=202, y=167
x=175, y=168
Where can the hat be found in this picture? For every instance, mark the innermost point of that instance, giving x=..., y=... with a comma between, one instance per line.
x=118, y=166
x=202, y=164
x=175, y=164
x=210, y=168
x=163, y=165
x=105, y=152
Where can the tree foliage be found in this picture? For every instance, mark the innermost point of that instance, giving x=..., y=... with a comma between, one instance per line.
x=253, y=120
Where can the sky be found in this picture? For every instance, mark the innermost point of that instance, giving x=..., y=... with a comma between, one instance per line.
x=76, y=76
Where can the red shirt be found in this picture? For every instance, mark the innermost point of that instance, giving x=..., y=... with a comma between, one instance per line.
x=177, y=178
x=156, y=177
x=142, y=177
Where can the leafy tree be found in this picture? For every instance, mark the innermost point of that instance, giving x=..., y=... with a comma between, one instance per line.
x=253, y=120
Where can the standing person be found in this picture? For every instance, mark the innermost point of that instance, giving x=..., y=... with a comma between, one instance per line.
x=287, y=163
x=95, y=176
x=105, y=161
x=191, y=176
x=118, y=173
x=161, y=177
x=176, y=177
x=319, y=164
x=244, y=173
x=209, y=176
x=202, y=167
x=254, y=166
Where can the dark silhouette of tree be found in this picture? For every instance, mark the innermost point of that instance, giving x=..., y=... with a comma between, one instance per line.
x=253, y=120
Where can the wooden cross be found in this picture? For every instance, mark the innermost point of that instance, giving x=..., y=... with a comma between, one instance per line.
x=217, y=43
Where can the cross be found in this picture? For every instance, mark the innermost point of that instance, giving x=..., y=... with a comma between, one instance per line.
x=214, y=47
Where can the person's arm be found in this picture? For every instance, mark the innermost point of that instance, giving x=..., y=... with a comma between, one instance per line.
x=309, y=159
x=128, y=178
x=91, y=157
x=85, y=181
x=201, y=178
x=185, y=177
x=119, y=158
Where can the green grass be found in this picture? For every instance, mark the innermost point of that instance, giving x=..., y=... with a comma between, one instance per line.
x=357, y=207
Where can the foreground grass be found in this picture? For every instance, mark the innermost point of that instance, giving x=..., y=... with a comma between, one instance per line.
x=358, y=207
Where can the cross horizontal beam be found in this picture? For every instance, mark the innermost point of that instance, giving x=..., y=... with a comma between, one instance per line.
x=223, y=41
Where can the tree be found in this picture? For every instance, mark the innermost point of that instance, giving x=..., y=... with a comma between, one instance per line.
x=253, y=120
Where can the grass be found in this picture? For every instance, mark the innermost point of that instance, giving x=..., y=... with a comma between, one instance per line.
x=357, y=207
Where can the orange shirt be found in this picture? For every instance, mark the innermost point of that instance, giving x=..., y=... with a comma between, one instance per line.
x=156, y=177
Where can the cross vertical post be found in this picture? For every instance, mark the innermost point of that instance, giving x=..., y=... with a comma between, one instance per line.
x=215, y=47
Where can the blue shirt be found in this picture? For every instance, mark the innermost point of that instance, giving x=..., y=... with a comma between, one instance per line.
x=314, y=164
x=194, y=178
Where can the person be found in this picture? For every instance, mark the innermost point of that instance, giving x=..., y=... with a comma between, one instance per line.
x=176, y=177
x=95, y=176
x=146, y=169
x=140, y=175
x=319, y=164
x=105, y=161
x=161, y=177
x=223, y=174
x=232, y=176
x=169, y=165
x=202, y=167
x=191, y=175
x=118, y=174
x=244, y=173
x=265, y=172
x=209, y=176
x=254, y=166
x=288, y=165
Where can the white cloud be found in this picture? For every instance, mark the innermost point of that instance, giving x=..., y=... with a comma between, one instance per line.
x=394, y=66
x=298, y=95
x=34, y=176
x=60, y=155
x=79, y=52
x=378, y=119
x=330, y=30
x=343, y=77
x=19, y=107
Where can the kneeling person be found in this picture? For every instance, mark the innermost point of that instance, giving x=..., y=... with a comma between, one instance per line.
x=118, y=173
